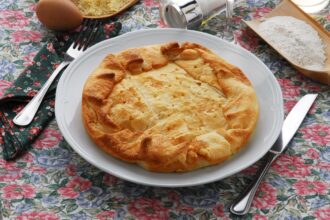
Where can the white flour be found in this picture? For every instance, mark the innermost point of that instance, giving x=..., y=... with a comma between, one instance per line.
x=295, y=39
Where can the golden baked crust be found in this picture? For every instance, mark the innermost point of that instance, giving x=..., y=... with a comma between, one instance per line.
x=169, y=107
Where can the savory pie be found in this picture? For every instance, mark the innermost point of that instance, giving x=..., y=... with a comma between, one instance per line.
x=169, y=107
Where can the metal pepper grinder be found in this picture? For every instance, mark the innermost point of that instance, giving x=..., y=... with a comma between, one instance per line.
x=189, y=14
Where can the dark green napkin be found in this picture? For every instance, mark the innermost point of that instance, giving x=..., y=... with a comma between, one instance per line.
x=15, y=140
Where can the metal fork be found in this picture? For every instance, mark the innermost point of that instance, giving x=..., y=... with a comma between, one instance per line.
x=85, y=37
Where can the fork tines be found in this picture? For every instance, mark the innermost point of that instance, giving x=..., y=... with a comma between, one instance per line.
x=87, y=34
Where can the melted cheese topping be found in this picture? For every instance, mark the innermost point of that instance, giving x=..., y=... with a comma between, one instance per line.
x=166, y=98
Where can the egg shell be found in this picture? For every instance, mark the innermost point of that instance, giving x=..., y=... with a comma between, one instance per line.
x=59, y=15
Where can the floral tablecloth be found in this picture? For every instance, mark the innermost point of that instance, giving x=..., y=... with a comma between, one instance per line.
x=52, y=182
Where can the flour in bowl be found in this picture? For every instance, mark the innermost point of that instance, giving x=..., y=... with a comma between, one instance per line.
x=296, y=40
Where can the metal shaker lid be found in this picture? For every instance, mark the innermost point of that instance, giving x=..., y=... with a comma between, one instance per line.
x=183, y=14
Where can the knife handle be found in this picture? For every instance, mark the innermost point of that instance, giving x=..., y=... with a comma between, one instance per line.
x=243, y=203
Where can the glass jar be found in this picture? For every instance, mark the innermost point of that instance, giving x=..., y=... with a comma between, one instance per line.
x=311, y=6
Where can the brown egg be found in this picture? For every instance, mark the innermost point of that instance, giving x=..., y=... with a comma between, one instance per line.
x=59, y=15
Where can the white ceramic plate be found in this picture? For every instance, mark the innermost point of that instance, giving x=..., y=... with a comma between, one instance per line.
x=68, y=108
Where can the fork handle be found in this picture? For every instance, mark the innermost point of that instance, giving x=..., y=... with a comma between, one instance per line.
x=243, y=203
x=26, y=115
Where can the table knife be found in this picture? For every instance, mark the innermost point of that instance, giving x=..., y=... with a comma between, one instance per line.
x=290, y=125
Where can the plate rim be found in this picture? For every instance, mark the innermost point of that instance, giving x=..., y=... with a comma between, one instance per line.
x=112, y=41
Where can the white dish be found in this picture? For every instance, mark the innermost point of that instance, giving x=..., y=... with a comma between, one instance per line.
x=68, y=108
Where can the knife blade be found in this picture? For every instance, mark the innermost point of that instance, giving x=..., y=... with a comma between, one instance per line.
x=290, y=126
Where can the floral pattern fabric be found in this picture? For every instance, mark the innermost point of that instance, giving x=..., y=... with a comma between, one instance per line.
x=16, y=140
x=51, y=181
